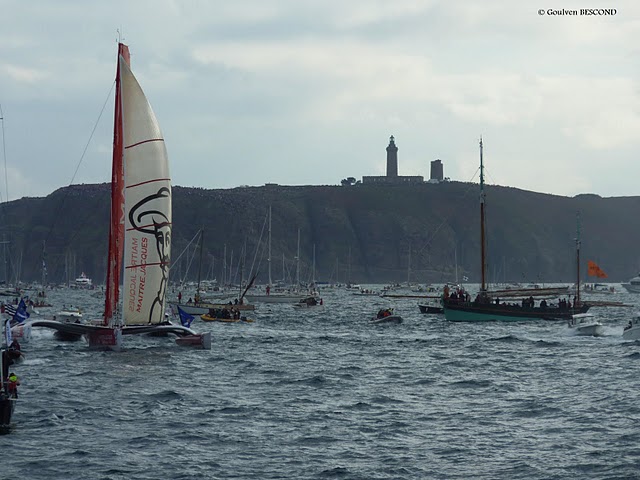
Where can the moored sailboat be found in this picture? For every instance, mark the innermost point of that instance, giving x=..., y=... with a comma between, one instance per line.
x=458, y=306
x=272, y=295
x=140, y=226
x=201, y=306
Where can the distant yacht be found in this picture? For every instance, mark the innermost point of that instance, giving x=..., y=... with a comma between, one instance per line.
x=83, y=281
x=634, y=285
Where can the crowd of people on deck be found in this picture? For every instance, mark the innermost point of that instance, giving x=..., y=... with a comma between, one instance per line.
x=225, y=313
x=460, y=295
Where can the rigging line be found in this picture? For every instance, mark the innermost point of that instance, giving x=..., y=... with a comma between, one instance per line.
x=258, y=245
x=4, y=155
x=95, y=126
x=3, y=212
x=187, y=247
x=190, y=260
x=193, y=255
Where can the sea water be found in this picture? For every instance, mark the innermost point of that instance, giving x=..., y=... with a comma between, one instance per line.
x=322, y=393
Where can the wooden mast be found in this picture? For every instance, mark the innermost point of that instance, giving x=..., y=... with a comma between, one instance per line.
x=483, y=287
x=576, y=301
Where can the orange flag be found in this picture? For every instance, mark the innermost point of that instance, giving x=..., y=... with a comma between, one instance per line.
x=594, y=270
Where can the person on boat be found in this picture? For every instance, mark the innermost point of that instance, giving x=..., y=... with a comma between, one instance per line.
x=629, y=325
x=12, y=385
x=179, y=297
x=14, y=345
x=543, y=303
x=190, y=301
x=268, y=289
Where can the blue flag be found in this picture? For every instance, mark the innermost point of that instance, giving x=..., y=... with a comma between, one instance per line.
x=21, y=312
x=185, y=318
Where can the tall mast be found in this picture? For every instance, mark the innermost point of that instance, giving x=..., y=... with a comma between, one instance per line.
x=224, y=266
x=483, y=286
x=116, y=225
x=6, y=183
x=4, y=155
x=313, y=268
x=577, y=298
x=242, y=260
x=44, y=266
x=455, y=256
x=200, y=264
x=298, y=262
x=269, y=253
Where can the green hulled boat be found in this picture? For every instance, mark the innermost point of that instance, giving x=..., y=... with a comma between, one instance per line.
x=458, y=307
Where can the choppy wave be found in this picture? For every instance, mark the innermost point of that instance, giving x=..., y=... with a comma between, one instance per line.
x=307, y=395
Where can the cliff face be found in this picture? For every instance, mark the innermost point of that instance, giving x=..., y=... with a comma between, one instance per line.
x=360, y=233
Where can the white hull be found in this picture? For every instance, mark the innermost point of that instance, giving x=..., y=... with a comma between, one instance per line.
x=583, y=324
x=631, y=288
x=593, y=330
x=388, y=319
x=632, y=333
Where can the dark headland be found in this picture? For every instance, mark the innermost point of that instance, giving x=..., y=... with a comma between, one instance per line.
x=361, y=233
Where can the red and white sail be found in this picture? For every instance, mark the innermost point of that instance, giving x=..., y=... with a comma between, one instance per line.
x=147, y=207
x=116, y=225
x=140, y=228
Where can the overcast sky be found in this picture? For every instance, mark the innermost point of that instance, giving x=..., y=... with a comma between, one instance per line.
x=307, y=92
